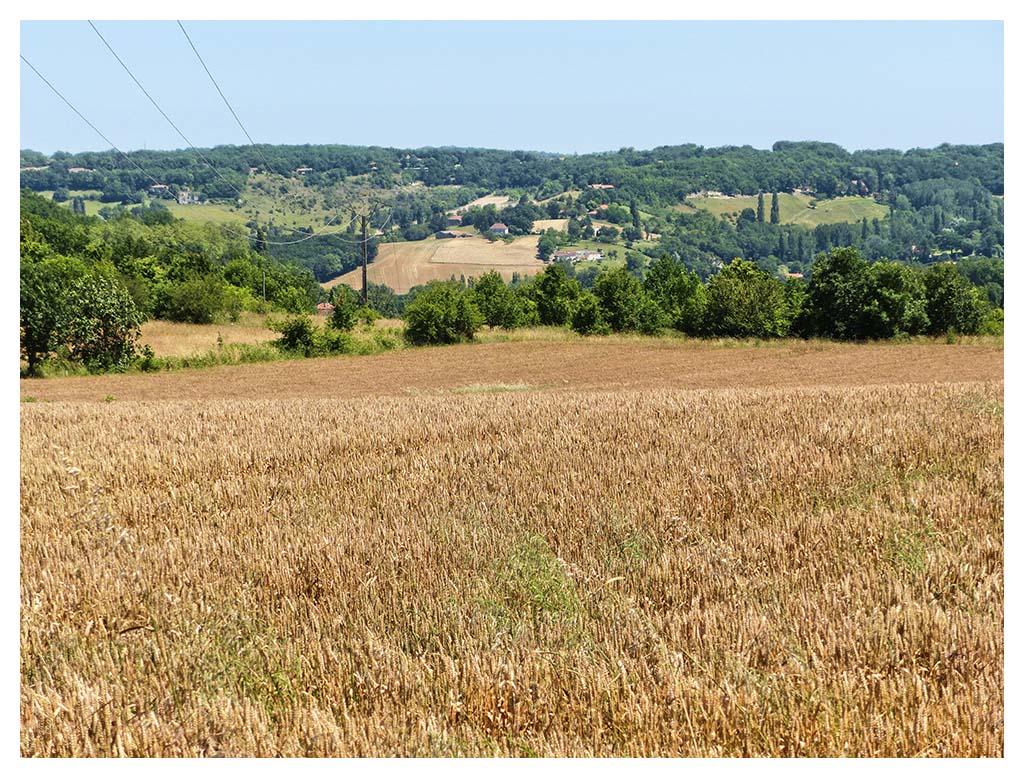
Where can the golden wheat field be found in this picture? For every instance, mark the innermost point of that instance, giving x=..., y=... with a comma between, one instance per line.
x=806, y=567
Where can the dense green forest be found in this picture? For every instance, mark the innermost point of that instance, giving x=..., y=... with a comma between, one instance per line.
x=942, y=203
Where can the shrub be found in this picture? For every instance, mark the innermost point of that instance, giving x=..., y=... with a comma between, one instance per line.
x=625, y=305
x=554, y=292
x=199, y=300
x=746, y=302
x=366, y=315
x=499, y=305
x=444, y=312
x=586, y=316
x=82, y=314
x=953, y=303
x=345, y=314
x=297, y=335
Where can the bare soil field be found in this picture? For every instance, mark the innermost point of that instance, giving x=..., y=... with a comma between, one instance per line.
x=802, y=558
x=402, y=266
x=570, y=364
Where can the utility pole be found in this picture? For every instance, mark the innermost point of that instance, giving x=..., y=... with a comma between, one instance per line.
x=362, y=220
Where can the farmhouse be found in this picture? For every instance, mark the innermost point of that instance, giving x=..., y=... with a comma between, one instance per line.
x=80, y=170
x=158, y=188
x=499, y=229
x=324, y=309
x=454, y=218
x=602, y=186
x=577, y=255
x=303, y=170
x=185, y=197
x=441, y=234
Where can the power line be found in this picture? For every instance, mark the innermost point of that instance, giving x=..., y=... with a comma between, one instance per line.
x=222, y=96
x=228, y=104
x=156, y=181
x=199, y=153
x=149, y=175
x=82, y=117
x=161, y=110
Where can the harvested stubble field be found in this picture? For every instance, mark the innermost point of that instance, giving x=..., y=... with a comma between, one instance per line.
x=491, y=569
x=402, y=266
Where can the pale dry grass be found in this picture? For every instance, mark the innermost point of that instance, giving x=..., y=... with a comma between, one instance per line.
x=790, y=571
x=550, y=224
x=179, y=339
x=498, y=201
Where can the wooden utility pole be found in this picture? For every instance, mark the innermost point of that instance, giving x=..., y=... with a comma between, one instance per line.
x=362, y=220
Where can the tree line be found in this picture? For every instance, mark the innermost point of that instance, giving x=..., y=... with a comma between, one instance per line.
x=846, y=298
x=662, y=175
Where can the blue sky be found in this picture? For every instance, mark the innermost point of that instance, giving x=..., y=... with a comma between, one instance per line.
x=553, y=86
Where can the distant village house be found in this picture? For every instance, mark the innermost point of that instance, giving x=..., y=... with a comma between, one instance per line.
x=577, y=255
x=324, y=309
x=499, y=229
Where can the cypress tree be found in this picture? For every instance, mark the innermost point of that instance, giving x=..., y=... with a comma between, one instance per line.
x=780, y=251
x=864, y=229
x=775, y=208
x=760, y=207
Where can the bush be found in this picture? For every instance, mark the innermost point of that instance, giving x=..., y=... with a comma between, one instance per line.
x=499, y=305
x=366, y=315
x=953, y=303
x=80, y=314
x=444, y=312
x=199, y=300
x=554, y=292
x=625, y=304
x=746, y=302
x=586, y=316
x=992, y=324
x=297, y=335
x=300, y=336
x=416, y=232
x=345, y=314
